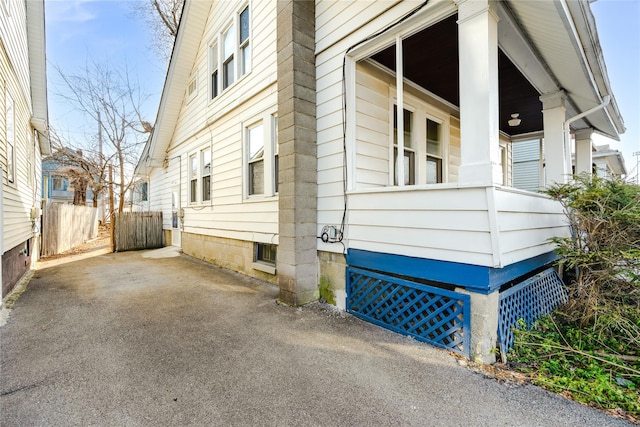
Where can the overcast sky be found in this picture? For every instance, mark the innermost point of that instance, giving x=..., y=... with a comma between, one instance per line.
x=107, y=31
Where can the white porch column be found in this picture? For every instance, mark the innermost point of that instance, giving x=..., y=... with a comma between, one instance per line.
x=584, y=158
x=555, y=146
x=479, y=99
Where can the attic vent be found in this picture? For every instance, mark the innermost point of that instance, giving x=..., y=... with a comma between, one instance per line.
x=192, y=88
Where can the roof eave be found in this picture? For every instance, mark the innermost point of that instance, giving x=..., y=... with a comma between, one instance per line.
x=38, y=71
x=183, y=56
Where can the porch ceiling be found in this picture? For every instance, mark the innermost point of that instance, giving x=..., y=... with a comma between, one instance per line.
x=431, y=61
x=544, y=47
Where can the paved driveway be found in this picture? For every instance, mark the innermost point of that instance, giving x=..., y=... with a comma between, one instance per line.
x=151, y=339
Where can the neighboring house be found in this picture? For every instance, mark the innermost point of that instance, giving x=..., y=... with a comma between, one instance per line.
x=275, y=151
x=608, y=163
x=529, y=170
x=23, y=133
x=56, y=183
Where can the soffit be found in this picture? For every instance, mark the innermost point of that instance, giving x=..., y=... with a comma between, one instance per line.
x=564, y=36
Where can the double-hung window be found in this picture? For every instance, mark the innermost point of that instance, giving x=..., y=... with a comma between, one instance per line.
x=434, y=152
x=230, y=53
x=276, y=165
x=261, y=156
x=193, y=178
x=425, y=144
x=245, y=48
x=409, y=157
x=206, y=174
x=213, y=54
x=255, y=144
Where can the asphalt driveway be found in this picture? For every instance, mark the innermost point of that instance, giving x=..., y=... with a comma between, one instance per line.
x=153, y=339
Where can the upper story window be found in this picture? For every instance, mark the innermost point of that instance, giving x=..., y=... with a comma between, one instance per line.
x=228, y=53
x=233, y=59
x=213, y=58
x=59, y=183
x=245, y=48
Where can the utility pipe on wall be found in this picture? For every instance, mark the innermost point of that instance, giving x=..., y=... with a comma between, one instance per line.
x=567, y=138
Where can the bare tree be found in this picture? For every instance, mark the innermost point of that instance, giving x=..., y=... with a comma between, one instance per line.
x=163, y=17
x=112, y=100
x=85, y=167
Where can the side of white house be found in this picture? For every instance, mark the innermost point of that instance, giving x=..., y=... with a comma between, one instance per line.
x=217, y=184
x=23, y=134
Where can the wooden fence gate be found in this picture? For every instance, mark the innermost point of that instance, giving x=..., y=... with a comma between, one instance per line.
x=137, y=230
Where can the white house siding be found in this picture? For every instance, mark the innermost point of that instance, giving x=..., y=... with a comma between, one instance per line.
x=19, y=196
x=449, y=224
x=218, y=124
x=526, y=222
x=339, y=25
x=22, y=194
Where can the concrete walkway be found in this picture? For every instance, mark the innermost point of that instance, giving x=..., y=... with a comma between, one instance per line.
x=154, y=339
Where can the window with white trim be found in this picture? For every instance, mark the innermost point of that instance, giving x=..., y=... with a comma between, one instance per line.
x=425, y=143
x=276, y=161
x=193, y=178
x=228, y=53
x=255, y=147
x=245, y=47
x=260, y=139
x=232, y=59
x=409, y=153
x=434, y=152
x=206, y=174
x=10, y=129
x=213, y=59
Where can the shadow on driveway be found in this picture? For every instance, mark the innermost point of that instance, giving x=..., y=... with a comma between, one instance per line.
x=156, y=338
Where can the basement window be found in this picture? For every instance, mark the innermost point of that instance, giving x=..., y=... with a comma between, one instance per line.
x=264, y=257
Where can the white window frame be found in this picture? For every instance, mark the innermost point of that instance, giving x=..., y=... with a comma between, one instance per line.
x=241, y=62
x=268, y=120
x=276, y=151
x=421, y=111
x=244, y=46
x=248, y=161
x=205, y=196
x=193, y=178
x=214, y=71
x=433, y=13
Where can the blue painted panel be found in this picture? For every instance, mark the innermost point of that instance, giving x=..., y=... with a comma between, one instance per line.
x=427, y=313
x=475, y=278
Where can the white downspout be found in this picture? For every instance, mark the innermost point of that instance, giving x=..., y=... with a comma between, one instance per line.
x=566, y=131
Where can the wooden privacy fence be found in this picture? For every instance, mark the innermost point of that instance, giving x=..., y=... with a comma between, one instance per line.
x=137, y=230
x=67, y=226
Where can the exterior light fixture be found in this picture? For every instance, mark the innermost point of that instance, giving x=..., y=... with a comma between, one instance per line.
x=515, y=121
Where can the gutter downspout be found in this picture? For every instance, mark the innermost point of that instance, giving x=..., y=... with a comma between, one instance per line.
x=567, y=138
